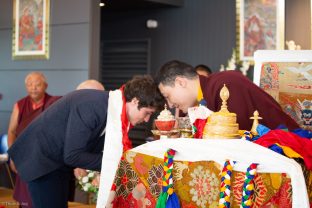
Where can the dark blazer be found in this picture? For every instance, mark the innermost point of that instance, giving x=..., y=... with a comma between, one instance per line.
x=66, y=134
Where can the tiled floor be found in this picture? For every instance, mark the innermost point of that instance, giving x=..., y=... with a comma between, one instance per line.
x=6, y=200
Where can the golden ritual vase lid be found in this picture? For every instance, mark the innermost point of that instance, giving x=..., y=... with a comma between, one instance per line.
x=222, y=124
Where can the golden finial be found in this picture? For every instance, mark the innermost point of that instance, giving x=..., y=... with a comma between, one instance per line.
x=255, y=123
x=224, y=95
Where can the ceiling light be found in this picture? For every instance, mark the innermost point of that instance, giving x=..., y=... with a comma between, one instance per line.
x=102, y=4
x=151, y=24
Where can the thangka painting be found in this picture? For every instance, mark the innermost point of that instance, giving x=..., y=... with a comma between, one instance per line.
x=291, y=86
x=31, y=29
x=260, y=26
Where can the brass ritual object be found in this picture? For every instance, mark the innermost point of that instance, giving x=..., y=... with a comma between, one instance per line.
x=222, y=124
x=255, y=123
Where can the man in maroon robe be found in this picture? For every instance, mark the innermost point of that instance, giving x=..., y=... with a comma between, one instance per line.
x=24, y=111
x=182, y=86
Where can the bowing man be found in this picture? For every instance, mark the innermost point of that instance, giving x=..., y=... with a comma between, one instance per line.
x=182, y=87
x=70, y=134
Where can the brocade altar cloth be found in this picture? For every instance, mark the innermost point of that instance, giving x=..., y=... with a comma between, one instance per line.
x=196, y=174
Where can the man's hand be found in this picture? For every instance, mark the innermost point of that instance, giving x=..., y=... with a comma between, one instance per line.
x=96, y=180
x=79, y=173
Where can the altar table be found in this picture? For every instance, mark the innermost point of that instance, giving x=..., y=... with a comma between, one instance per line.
x=279, y=181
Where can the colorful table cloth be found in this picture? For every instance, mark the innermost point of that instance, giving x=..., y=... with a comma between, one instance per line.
x=197, y=167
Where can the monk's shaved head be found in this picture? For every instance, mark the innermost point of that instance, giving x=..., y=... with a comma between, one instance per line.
x=90, y=84
x=35, y=75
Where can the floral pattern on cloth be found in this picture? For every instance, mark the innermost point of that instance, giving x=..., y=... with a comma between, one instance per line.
x=154, y=179
x=197, y=184
x=259, y=189
x=204, y=186
x=268, y=189
x=126, y=179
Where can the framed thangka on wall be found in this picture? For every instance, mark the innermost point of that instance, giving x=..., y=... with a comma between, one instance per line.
x=31, y=29
x=260, y=25
x=290, y=84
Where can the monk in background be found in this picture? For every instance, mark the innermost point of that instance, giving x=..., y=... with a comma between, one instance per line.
x=24, y=111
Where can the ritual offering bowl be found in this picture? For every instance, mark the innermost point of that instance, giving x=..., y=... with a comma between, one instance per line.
x=164, y=125
x=174, y=133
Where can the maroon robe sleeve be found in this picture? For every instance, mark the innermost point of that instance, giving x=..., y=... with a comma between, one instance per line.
x=27, y=114
x=245, y=98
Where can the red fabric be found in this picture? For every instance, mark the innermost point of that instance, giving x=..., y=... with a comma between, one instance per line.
x=300, y=145
x=127, y=144
x=200, y=125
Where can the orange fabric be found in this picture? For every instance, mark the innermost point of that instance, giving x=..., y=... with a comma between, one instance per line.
x=38, y=104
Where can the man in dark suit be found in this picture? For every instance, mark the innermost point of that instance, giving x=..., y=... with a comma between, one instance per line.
x=70, y=134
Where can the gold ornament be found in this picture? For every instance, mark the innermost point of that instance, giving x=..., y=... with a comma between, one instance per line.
x=255, y=123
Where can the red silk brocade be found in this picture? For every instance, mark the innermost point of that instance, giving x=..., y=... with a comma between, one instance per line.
x=127, y=144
